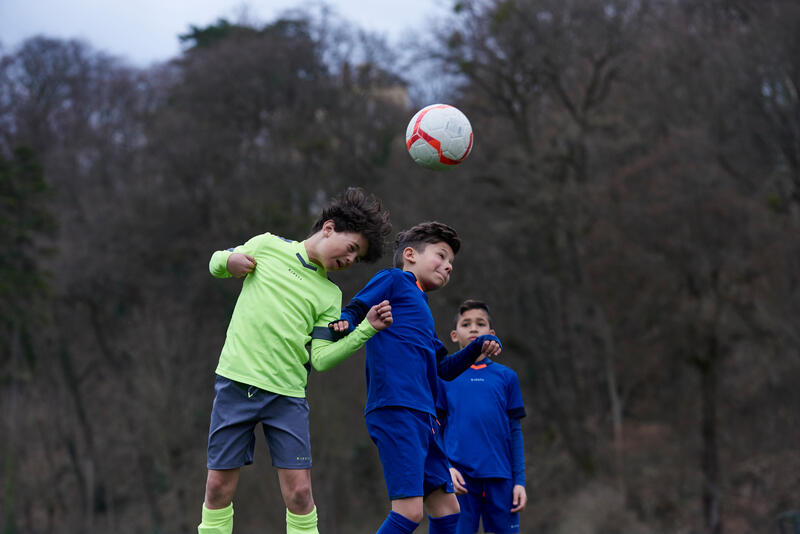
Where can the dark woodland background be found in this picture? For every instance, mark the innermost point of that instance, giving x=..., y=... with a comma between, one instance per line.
x=631, y=212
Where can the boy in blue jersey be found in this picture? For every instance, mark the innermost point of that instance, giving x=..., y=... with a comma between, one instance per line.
x=403, y=365
x=480, y=412
x=263, y=367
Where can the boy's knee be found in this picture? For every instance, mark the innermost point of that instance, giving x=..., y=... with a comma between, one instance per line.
x=414, y=515
x=440, y=504
x=411, y=509
x=298, y=498
x=220, y=487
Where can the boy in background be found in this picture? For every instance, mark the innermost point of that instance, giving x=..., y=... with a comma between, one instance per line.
x=480, y=412
x=403, y=366
x=263, y=367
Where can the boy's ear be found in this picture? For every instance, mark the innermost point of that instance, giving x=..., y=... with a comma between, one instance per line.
x=491, y=331
x=410, y=255
x=328, y=227
x=453, y=336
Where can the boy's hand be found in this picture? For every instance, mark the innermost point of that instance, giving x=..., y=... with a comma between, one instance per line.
x=458, y=481
x=339, y=326
x=240, y=264
x=520, y=498
x=380, y=316
x=491, y=348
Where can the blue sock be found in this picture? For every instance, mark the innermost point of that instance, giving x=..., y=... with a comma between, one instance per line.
x=447, y=524
x=397, y=524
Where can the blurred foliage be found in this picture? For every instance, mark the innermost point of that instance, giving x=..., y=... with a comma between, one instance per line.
x=630, y=211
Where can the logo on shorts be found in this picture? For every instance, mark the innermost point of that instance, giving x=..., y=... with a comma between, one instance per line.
x=302, y=458
x=251, y=392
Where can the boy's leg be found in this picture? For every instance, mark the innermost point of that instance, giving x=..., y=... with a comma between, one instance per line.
x=286, y=430
x=443, y=512
x=216, y=521
x=497, y=515
x=410, y=508
x=440, y=500
x=220, y=487
x=301, y=514
x=230, y=446
x=401, y=436
x=217, y=516
x=296, y=490
x=470, y=504
x=397, y=523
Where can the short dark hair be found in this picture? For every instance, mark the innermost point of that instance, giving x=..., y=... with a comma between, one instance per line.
x=422, y=235
x=473, y=304
x=356, y=211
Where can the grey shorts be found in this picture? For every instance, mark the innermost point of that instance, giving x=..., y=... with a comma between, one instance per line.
x=238, y=408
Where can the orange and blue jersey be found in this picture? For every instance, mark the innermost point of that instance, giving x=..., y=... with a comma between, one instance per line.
x=480, y=411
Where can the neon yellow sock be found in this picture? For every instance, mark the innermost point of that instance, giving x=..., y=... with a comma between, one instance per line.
x=216, y=521
x=301, y=524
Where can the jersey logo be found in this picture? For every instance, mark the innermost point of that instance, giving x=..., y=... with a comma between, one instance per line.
x=304, y=264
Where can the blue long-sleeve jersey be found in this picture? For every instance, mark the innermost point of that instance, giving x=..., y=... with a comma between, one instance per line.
x=482, y=432
x=405, y=360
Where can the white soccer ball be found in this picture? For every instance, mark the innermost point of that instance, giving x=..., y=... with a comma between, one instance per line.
x=439, y=137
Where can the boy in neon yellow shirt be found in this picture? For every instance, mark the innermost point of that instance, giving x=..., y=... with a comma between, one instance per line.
x=286, y=302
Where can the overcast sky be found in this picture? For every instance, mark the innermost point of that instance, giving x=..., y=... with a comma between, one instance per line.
x=144, y=31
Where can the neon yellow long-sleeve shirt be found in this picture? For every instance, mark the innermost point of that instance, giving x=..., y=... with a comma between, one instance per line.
x=281, y=302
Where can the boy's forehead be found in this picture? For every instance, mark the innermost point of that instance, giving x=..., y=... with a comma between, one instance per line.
x=437, y=245
x=357, y=238
x=474, y=313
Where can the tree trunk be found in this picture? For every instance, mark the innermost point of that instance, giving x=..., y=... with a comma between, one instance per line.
x=710, y=458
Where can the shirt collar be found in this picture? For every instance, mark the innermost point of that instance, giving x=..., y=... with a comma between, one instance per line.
x=302, y=257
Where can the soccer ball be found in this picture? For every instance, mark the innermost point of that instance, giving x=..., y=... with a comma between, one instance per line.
x=439, y=137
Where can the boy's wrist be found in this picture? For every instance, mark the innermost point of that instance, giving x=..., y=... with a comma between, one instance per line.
x=366, y=327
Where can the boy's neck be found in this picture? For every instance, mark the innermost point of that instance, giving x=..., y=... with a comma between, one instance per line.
x=419, y=285
x=310, y=244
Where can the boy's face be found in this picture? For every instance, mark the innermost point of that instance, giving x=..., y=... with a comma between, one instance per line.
x=432, y=266
x=471, y=324
x=340, y=250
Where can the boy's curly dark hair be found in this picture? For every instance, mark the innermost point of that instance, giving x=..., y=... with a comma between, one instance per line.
x=356, y=211
x=423, y=234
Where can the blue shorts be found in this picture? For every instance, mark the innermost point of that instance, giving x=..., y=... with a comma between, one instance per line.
x=414, y=463
x=490, y=499
x=238, y=408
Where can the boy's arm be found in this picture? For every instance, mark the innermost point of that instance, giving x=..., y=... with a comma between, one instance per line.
x=449, y=367
x=352, y=314
x=515, y=408
x=517, y=453
x=237, y=261
x=519, y=497
x=218, y=265
x=378, y=289
x=326, y=354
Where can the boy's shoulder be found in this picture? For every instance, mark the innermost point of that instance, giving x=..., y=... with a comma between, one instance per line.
x=278, y=238
x=501, y=369
x=392, y=275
